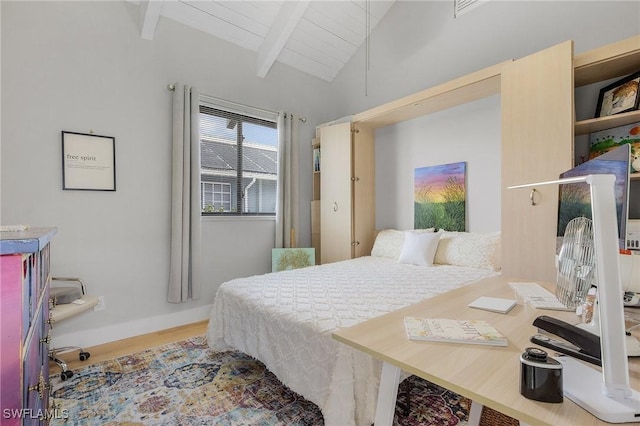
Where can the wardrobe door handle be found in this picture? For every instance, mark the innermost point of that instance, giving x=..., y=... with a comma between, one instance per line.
x=335, y=206
x=532, y=197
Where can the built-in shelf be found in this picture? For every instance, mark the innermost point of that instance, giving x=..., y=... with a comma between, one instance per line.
x=471, y=87
x=584, y=127
x=614, y=60
x=315, y=147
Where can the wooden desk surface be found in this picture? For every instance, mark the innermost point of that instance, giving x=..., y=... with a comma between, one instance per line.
x=486, y=374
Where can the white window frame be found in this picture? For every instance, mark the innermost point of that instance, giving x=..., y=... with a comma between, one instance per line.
x=226, y=205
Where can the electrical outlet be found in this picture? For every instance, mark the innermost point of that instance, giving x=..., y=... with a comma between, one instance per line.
x=100, y=306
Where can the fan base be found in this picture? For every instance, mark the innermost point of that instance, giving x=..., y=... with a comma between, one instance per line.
x=583, y=385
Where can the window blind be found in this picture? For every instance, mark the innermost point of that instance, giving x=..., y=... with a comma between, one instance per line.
x=239, y=156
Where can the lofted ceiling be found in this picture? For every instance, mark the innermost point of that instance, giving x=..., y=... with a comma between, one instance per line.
x=316, y=37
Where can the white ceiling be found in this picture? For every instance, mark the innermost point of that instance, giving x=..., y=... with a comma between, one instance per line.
x=316, y=37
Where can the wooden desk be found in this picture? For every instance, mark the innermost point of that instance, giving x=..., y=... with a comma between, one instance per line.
x=487, y=375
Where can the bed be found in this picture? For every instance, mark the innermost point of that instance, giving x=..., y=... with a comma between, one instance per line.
x=285, y=319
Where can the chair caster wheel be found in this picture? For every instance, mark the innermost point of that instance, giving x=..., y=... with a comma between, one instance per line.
x=84, y=356
x=66, y=375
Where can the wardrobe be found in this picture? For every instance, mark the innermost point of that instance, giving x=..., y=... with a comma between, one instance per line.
x=347, y=191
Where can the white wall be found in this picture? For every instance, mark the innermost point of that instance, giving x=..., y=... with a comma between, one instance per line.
x=82, y=66
x=419, y=45
x=469, y=133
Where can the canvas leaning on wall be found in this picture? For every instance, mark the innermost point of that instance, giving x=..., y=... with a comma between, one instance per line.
x=283, y=259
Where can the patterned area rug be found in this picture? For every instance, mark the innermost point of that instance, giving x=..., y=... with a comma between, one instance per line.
x=186, y=383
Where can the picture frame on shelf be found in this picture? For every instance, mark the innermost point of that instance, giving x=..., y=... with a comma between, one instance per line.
x=88, y=162
x=620, y=96
x=606, y=140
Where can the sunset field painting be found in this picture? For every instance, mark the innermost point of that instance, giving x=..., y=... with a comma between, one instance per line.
x=439, y=197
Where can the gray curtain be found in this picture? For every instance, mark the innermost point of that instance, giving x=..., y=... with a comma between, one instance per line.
x=185, y=270
x=288, y=167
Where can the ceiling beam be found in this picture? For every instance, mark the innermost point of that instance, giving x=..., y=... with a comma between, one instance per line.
x=149, y=15
x=284, y=24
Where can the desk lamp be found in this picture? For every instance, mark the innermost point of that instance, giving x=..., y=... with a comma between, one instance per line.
x=606, y=395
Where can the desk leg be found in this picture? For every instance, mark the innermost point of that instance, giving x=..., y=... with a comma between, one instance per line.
x=389, y=381
x=475, y=413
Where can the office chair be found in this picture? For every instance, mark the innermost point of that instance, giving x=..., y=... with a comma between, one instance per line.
x=68, y=309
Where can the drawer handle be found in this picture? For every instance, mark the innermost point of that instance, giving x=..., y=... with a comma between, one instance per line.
x=39, y=387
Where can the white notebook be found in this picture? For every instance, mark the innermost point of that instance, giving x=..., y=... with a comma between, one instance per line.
x=493, y=304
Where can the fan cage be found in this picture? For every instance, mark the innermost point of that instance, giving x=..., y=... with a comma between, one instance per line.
x=576, y=263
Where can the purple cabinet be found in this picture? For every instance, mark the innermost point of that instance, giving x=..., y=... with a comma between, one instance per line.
x=24, y=326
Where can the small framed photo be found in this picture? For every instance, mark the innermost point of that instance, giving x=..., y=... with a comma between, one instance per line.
x=621, y=96
x=88, y=162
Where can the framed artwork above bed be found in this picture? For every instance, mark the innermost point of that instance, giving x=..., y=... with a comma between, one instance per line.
x=440, y=197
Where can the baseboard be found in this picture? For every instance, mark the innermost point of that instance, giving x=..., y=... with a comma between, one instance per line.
x=98, y=336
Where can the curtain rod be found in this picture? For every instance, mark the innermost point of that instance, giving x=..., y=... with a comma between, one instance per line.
x=172, y=87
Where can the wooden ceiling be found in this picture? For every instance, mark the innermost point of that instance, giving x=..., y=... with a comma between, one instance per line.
x=316, y=37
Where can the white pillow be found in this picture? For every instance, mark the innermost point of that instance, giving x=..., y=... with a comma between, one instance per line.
x=475, y=250
x=419, y=248
x=389, y=243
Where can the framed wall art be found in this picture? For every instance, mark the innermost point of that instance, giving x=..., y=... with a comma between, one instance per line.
x=440, y=197
x=88, y=162
x=618, y=97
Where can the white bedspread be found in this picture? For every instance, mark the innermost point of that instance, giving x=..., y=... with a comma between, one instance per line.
x=285, y=320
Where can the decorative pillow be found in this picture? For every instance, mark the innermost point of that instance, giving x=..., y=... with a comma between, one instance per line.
x=419, y=248
x=475, y=250
x=389, y=243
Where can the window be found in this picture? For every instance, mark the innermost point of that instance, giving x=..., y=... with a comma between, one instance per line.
x=238, y=159
x=216, y=197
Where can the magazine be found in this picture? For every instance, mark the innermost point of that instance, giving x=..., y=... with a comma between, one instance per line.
x=475, y=332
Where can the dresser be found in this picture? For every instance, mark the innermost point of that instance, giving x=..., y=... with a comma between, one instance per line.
x=24, y=326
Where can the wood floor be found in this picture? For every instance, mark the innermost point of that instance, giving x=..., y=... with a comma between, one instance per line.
x=131, y=345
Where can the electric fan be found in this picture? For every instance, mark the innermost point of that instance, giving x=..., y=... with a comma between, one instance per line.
x=607, y=394
x=576, y=275
x=576, y=263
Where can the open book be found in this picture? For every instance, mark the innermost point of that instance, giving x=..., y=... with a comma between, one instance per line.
x=475, y=332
